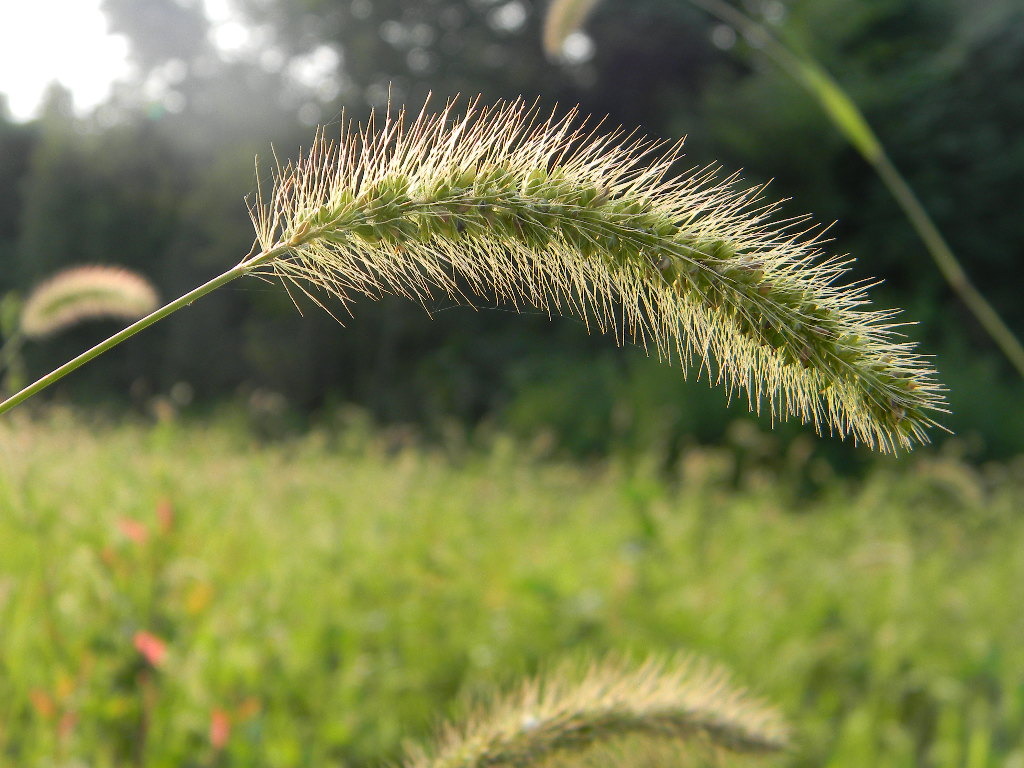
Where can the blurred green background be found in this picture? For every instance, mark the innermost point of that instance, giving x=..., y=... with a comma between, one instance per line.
x=154, y=180
x=329, y=596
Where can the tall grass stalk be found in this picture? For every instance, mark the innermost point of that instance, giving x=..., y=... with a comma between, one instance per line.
x=548, y=213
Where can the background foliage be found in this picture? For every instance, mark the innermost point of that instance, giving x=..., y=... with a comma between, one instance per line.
x=323, y=598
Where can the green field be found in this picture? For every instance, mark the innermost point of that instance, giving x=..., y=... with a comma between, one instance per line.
x=330, y=595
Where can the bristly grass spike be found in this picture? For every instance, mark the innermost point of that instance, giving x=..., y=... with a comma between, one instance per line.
x=545, y=212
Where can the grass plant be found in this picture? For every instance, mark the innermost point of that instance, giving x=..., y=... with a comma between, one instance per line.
x=549, y=213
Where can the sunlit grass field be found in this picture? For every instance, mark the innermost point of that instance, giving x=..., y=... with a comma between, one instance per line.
x=185, y=594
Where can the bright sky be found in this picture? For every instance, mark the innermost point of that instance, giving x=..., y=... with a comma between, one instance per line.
x=67, y=40
x=64, y=40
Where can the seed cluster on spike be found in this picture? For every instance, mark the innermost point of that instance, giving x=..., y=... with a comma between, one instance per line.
x=499, y=203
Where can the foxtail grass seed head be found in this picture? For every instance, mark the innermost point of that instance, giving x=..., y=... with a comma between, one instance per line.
x=86, y=293
x=548, y=213
x=568, y=717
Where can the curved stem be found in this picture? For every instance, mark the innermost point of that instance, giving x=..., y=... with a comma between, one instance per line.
x=168, y=309
x=850, y=121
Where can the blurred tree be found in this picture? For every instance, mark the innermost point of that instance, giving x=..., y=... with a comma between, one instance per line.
x=52, y=221
x=16, y=142
x=160, y=30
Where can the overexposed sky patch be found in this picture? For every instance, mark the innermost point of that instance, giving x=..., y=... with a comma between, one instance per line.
x=229, y=33
x=68, y=41
x=42, y=41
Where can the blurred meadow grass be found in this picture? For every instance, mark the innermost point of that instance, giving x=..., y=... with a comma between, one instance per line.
x=185, y=594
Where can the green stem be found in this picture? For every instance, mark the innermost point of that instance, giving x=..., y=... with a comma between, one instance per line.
x=168, y=309
x=947, y=263
x=850, y=121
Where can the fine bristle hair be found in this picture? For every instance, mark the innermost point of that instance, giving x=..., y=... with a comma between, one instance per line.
x=86, y=293
x=652, y=713
x=549, y=213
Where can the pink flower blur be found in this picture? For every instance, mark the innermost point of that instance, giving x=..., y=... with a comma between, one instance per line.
x=220, y=728
x=133, y=530
x=152, y=648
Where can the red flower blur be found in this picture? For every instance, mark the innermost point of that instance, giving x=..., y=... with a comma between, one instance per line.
x=133, y=530
x=220, y=728
x=165, y=515
x=152, y=648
